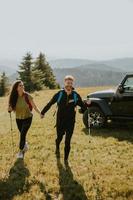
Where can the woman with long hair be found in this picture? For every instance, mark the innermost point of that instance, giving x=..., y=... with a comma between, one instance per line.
x=22, y=103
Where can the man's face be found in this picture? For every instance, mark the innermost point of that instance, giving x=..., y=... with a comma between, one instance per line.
x=68, y=84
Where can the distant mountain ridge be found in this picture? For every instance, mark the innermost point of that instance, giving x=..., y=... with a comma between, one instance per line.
x=93, y=73
x=87, y=72
x=119, y=63
x=122, y=63
x=90, y=77
x=69, y=63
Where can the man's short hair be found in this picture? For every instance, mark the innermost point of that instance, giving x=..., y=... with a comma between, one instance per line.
x=69, y=77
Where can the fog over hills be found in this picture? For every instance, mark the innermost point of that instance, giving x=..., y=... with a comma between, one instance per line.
x=87, y=72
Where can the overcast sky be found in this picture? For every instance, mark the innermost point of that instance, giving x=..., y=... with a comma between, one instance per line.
x=92, y=29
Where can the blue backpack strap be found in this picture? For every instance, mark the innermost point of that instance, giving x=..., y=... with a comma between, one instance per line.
x=60, y=96
x=75, y=97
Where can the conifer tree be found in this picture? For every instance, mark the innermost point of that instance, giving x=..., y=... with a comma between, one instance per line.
x=3, y=84
x=37, y=79
x=48, y=77
x=25, y=72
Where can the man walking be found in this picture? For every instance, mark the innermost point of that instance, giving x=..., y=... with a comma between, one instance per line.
x=67, y=99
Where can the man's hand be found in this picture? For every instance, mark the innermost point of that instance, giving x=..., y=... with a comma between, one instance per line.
x=42, y=116
x=88, y=102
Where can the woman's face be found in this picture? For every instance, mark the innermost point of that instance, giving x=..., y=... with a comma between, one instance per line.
x=20, y=87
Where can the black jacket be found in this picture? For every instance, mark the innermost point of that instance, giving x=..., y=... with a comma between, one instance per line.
x=66, y=107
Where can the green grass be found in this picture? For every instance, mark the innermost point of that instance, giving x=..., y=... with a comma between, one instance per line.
x=101, y=165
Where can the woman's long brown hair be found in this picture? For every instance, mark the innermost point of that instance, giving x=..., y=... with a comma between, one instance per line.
x=14, y=95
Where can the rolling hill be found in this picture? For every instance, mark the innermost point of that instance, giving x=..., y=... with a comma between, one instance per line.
x=125, y=64
x=69, y=63
x=93, y=73
x=89, y=76
x=87, y=72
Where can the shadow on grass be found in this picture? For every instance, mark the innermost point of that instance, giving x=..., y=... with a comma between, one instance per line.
x=69, y=188
x=43, y=190
x=16, y=183
x=120, y=131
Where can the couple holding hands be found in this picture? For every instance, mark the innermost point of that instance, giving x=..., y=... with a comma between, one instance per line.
x=67, y=99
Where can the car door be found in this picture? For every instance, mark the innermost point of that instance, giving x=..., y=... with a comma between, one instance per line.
x=122, y=103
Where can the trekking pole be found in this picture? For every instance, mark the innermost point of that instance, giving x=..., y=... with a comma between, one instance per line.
x=89, y=124
x=11, y=130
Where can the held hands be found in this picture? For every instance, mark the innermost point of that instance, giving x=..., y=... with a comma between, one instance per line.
x=41, y=116
x=9, y=109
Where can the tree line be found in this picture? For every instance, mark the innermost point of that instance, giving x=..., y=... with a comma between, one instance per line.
x=3, y=84
x=35, y=73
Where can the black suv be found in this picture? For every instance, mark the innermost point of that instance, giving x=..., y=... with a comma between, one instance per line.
x=110, y=105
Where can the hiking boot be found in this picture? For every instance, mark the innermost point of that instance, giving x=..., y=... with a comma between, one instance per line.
x=20, y=155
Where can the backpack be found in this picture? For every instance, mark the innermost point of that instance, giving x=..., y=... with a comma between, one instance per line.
x=75, y=97
x=27, y=101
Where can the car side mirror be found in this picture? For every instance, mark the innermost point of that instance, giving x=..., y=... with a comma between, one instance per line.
x=120, y=89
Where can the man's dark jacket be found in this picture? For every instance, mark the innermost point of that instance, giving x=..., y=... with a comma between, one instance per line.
x=66, y=108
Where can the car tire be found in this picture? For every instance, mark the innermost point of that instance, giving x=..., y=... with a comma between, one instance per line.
x=97, y=118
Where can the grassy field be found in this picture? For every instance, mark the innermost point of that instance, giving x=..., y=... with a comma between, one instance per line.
x=100, y=167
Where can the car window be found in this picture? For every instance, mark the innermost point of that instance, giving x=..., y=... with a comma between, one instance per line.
x=128, y=85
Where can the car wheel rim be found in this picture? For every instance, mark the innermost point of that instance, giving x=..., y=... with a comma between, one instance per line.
x=95, y=119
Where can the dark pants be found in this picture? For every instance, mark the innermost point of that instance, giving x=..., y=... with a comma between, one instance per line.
x=68, y=132
x=23, y=126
